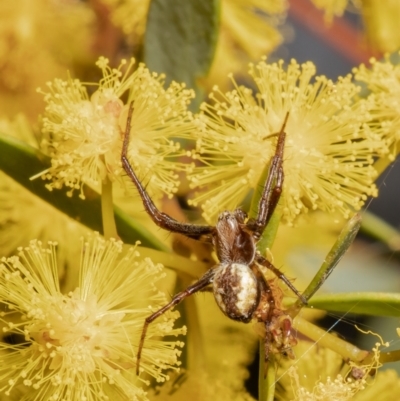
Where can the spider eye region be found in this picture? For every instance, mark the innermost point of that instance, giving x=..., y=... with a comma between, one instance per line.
x=236, y=291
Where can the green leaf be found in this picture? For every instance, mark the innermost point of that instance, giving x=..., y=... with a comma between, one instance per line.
x=336, y=253
x=364, y=303
x=180, y=39
x=21, y=161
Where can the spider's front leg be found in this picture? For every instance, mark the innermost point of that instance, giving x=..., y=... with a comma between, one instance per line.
x=178, y=298
x=161, y=219
x=268, y=202
x=272, y=190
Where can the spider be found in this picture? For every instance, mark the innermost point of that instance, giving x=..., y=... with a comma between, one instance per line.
x=240, y=289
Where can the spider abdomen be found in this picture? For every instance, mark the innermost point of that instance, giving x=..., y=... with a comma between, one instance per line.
x=236, y=291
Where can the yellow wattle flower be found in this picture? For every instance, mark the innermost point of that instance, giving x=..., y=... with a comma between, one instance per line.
x=248, y=31
x=332, y=8
x=383, y=82
x=380, y=19
x=130, y=16
x=28, y=57
x=319, y=374
x=84, y=133
x=24, y=216
x=329, y=150
x=83, y=345
x=199, y=386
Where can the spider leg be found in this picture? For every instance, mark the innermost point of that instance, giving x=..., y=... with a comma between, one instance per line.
x=264, y=262
x=161, y=219
x=272, y=188
x=178, y=298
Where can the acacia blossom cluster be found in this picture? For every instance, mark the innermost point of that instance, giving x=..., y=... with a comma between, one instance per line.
x=84, y=134
x=329, y=149
x=383, y=82
x=82, y=345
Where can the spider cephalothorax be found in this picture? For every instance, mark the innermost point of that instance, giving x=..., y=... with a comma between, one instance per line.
x=240, y=289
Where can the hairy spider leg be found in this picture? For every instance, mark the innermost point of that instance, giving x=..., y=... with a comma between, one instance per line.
x=264, y=262
x=163, y=220
x=272, y=188
x=270, y=197
x=177, y=299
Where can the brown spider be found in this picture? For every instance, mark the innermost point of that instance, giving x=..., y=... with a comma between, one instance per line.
x=240, y=289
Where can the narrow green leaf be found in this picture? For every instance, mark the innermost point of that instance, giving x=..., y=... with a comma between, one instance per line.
x=336, y=253
x=21, y=161
x=180, y=39
x=363, y=303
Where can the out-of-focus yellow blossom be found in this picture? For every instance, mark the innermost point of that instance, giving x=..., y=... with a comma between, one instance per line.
x=381, y=20
x=328, y=153
x=247, y=24
x=83, y=345
x=198, y=386
x=28, y=57
x=85, y=134
x=18, y=127
x=130, y=15
x=320, y=374
x=248, y=32
x=383, y=82
x=226, y=356
x=384, y=386
x=222, y=350
x=332, y=8
x=24, y=216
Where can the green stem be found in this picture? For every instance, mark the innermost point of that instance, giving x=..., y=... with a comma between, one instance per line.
x=378, y=229
x=107, y=210
x=192, y=268
x=266, y=375
x=348, y=351
x=390, y=356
